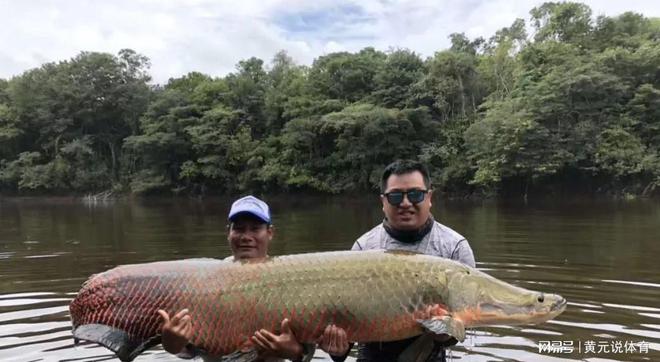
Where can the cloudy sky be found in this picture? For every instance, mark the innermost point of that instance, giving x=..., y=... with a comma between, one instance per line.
x=212, y=36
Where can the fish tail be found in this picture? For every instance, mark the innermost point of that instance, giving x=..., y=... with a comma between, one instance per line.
x=117, y=340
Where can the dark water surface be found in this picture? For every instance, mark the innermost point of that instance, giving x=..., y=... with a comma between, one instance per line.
x=603, y=256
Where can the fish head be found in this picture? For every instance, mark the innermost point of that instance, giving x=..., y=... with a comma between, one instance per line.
x=477, y=299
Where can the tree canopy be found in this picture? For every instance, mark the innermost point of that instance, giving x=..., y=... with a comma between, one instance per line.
x=572, y=107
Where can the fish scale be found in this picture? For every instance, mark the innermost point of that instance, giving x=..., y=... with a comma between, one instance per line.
x=372, y=295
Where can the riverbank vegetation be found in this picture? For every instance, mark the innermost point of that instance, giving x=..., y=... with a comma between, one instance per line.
x=564, y=102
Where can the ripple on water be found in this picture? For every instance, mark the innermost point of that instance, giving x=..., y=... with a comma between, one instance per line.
x=643, y=284
x=53, y=255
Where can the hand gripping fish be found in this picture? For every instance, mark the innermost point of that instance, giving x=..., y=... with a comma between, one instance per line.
x=373, y=295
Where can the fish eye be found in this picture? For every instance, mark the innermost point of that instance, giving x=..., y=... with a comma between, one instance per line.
x=540, y=298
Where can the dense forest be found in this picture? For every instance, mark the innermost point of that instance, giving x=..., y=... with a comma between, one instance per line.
x=563, y=103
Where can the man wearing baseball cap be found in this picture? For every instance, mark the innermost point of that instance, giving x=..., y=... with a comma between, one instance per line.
x=250, y=228
x=250, y=233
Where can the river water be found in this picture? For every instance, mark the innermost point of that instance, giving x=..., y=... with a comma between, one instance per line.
x=603, y=256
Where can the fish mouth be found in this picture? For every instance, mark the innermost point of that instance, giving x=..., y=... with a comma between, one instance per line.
x=559, y=306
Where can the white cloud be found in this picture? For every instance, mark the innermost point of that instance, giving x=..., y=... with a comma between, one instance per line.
x=212, y=36
x=333, y=47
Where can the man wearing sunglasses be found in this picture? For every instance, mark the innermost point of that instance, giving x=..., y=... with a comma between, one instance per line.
x=408, y=225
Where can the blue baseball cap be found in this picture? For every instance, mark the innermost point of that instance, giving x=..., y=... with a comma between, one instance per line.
x=250, y=205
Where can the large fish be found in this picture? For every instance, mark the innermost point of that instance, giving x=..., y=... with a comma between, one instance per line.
x=373, y=295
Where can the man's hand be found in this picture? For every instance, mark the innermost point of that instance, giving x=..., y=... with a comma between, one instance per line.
x=175, y=332
x=284, y=345
x=334, y=341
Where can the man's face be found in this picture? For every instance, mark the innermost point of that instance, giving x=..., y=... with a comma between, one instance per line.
x=249, y=237
x=407, y=216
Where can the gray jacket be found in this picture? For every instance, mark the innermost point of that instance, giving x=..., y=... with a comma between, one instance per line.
x=440, y=241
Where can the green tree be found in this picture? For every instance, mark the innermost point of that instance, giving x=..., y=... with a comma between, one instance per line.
x=451, y=87
x=346, y=76
x=568, y=22
x=645, y=113
x=247, y=91
x=394, y=80
x=162, y=147
x=347, y=150
x=509, y=145
x=94, y=97
x=287, y=82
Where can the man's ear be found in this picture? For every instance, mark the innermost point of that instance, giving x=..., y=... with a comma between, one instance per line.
x=430, y=196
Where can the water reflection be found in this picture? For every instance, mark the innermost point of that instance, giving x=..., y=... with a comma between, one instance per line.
x=600, y=255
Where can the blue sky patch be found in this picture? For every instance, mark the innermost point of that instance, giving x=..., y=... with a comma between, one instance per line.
x=333, y=22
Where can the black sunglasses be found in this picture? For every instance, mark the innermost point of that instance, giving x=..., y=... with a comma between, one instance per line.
x=395, y=198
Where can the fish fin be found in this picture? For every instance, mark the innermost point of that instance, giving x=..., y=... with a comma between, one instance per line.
x=308, y=351
x=191, y=351
x=401, y=252
x=250, y=354
x=241, y=355
x=419, y=350
x=445, y=325
x=125, y=347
